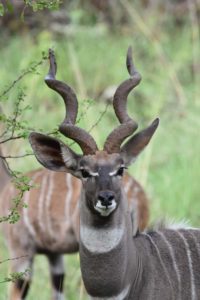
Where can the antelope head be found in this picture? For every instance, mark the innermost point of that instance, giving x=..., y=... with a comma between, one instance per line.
x=101, y=171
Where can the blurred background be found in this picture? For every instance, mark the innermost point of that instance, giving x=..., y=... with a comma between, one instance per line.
x=90, y=40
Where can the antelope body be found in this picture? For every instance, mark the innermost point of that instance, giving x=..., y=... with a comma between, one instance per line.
x=116, y=265
x=50, y=223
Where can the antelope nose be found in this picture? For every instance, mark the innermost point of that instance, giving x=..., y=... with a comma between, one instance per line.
x=106, y=197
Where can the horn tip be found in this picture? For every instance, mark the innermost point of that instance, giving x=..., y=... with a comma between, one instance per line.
x=129, y=51
x=51, y=52
x=52, y=66
x=156, y=122
x=129, y=61
x=130, y=65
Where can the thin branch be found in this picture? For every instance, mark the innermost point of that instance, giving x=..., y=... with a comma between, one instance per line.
x=84, y=112
x=17, y=156
x=4, y=133
x=20, y=77
x=100, y=118
x=12, y=138
x=8, y=167
x=14, y=258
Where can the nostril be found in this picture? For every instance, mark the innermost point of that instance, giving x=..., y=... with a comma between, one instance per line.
x=106, y=197
x=110, y=197
x=101, y=198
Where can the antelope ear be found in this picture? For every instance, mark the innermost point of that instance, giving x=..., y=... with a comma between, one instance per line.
x=52, y=153
x=137, y=143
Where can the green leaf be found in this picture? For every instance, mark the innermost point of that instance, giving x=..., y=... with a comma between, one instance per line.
x=9, y=6
x=1, y=10
x=35, y=6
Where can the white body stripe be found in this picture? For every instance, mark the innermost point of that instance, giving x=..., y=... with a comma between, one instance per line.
x=26, y=218
x=193, y=291
x=41, y=203
x=133, y=207
x=48, y=203
x=171, y=251
x=68, y=198
x=195, y=240
x=128, y=185
x=159, y=256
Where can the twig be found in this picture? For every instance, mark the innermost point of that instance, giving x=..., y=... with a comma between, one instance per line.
x=17, y=156
x=100, y=118
x=22, y=76
x=14, y=258
x=12, y=138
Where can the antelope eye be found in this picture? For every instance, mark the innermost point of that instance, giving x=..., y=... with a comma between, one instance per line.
x=85, y=174
x=120, y=171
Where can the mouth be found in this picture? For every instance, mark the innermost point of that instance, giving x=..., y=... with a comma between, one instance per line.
x=105, y=210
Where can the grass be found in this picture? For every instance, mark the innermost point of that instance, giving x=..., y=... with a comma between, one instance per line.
x=167, y=57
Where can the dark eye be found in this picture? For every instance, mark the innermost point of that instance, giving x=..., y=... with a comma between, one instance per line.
x=85, y=174
x=120, y=172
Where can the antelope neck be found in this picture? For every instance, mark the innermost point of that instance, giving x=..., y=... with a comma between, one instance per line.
x=105, y=250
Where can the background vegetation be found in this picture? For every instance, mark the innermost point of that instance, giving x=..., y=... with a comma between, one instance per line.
x=90, y=47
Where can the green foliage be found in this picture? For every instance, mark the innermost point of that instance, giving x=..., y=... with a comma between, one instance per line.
x=15, y=276
x=42, y=4
x=36, y=5
x=21, y=182
x=1, y=9
x=15, y=128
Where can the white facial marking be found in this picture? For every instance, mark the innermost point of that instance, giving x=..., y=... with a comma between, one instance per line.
x=95, y=174
x=105, y=210
x=113, y=173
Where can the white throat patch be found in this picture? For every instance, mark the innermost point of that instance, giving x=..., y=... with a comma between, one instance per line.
x=100, y=240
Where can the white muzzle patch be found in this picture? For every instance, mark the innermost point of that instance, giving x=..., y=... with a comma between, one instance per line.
x=105, y=210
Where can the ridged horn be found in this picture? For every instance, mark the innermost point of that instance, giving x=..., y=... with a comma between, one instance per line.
x=128, y=125
x=68, y=127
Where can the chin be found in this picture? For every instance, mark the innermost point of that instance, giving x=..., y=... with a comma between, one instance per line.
x=103, y=210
